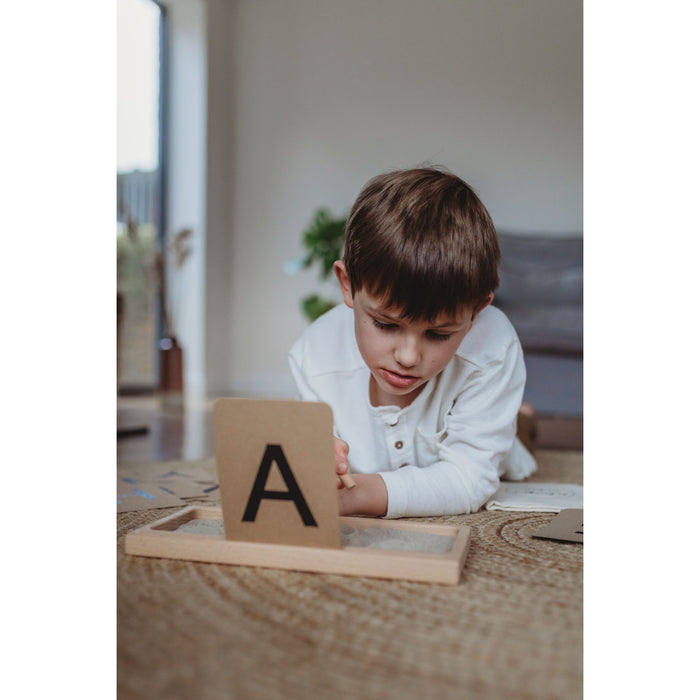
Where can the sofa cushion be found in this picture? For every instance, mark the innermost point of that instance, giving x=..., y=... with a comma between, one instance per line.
x=541, y=290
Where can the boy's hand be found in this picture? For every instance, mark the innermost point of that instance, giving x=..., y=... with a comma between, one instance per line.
x=367, y=497
x=341, y=459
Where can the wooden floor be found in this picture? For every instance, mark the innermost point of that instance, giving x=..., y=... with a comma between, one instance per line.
x=159, y=428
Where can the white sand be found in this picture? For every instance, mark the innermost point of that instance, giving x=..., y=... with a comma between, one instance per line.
x=374, y=537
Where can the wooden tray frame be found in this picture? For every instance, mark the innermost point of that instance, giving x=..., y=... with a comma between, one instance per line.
x=161, y=539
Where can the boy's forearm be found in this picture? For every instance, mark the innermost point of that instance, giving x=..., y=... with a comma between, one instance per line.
x=369, y=497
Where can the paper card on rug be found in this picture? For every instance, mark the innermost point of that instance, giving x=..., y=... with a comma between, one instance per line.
x=536, y=497
x=565, y=527
x=208, y=492
x=144, y=496
x=276, y=467
x=155, y=472
x=191, y=486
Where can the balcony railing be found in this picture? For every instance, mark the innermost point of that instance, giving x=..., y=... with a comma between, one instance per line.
x=137, y=197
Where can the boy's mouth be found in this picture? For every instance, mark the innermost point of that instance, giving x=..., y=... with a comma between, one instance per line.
x=401, y=381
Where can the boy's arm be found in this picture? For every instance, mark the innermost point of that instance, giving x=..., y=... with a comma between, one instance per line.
x=306, y=393
x=368, y=497
x=304, y=390
x=457, y=469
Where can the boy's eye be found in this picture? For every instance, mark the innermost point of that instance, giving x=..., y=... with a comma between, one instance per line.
x=439, y=336
x=384, y=326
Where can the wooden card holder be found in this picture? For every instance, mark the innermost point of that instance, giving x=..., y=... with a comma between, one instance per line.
x=279, y=506
x=161, y=539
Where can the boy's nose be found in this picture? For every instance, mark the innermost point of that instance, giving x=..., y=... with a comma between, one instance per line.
x=407, y=353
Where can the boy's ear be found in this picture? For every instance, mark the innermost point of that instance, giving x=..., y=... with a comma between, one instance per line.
x=344, y=281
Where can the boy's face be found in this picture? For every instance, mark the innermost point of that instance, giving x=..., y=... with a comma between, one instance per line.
x=402, y=355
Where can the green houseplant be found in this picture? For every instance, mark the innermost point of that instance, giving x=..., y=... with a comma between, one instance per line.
x=323, y=240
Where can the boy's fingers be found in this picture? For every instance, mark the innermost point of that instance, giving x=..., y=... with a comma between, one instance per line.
x=341, y=456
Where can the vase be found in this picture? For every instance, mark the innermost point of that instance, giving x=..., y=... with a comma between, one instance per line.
x=170, y=365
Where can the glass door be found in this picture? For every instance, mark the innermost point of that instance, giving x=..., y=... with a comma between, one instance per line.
x=140, y=196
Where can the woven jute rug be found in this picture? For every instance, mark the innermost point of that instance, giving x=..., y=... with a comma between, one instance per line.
x=511, y=628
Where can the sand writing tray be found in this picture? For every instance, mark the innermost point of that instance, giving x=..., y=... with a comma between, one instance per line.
x=163, y=539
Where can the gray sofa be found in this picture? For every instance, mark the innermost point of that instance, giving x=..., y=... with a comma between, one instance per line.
x=541, y=291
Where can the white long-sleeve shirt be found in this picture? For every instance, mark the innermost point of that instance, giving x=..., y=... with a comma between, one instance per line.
x=444, y=453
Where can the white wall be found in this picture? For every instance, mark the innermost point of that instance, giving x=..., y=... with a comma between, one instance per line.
x=313, y=97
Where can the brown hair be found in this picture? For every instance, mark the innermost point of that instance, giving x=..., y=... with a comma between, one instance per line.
x=422, y=241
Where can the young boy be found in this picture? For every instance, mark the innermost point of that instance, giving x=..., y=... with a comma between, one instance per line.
x=424, y=377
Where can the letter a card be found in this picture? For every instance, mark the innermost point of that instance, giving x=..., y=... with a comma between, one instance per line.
x=276, y=464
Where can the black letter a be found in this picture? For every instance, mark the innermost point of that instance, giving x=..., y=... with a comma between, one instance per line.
x=273, y=453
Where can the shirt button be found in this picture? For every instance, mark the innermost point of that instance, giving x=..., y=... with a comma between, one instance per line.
x=398, y=445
